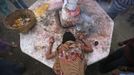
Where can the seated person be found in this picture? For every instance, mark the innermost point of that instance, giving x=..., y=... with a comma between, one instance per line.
x=124, y=56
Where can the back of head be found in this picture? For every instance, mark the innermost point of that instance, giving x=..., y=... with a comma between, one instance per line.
x=68, y=36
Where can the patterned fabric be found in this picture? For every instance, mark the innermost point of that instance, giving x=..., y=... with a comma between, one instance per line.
x=118, y=6
x=70, y=59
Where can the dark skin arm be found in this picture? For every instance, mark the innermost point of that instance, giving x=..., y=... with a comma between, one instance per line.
x=126, y=42
x=85, y=45
x=49, y=54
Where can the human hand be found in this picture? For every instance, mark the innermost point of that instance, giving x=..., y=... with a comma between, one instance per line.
x=81, y=35
x=87, y=47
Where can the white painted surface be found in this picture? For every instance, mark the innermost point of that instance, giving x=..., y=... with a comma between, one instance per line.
x=37, y=37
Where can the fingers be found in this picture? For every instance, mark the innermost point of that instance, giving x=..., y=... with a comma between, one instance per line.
x=81, y=35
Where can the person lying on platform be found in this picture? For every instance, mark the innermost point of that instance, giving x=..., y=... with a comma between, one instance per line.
x=69, y=55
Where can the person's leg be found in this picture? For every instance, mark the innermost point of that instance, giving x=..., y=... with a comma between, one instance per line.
x=115, y=64
x=131, y=2
x=108, y=62
x=115, y=55
x=22, y=3
x=9, y=68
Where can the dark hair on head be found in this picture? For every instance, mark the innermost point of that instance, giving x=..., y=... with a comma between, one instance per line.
x=68, y=36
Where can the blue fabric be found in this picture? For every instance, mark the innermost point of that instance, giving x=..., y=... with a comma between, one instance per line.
x=20, y=4
x=17, y=5
x=4, y=7
x=8, y=68
x=119, y=6
x=4, y=46
x=127, y=73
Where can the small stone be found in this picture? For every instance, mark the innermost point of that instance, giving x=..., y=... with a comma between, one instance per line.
x=96, y=43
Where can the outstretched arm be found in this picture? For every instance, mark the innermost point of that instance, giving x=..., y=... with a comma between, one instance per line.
x=49, y=54
x=86, y=47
